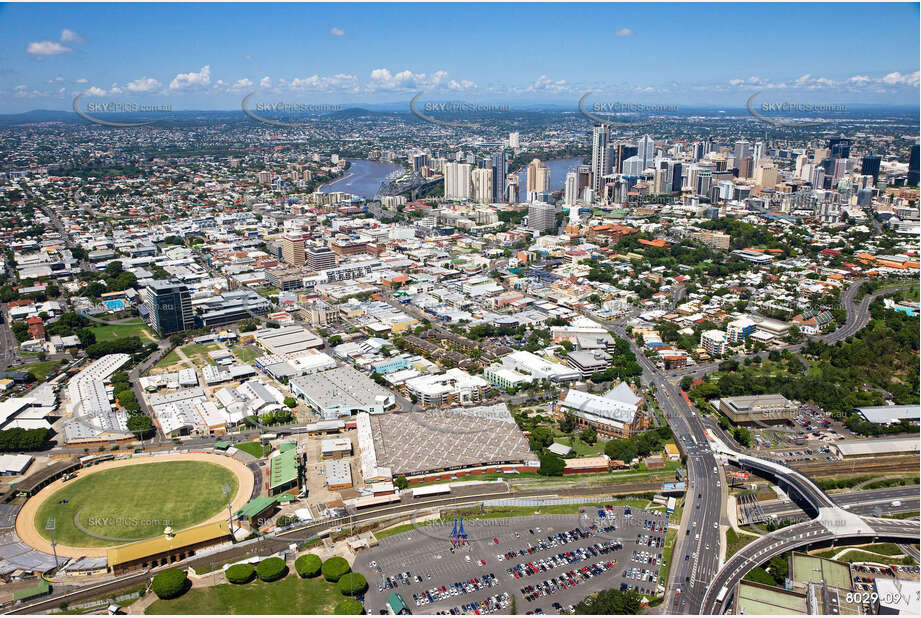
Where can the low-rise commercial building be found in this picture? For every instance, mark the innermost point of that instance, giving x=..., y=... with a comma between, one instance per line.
x=774, y=408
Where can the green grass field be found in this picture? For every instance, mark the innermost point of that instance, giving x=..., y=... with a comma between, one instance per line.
x=244, y=354
x=198, y=353
x=40, y=369
x=170, y=359
x=291, y=595
x=108, y=332
x=735, y=541
x=135, y=502
x=253, y=448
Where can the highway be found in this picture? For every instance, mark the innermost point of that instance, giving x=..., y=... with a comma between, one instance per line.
x=861, y=502
x=697, y=538
x=799, y=535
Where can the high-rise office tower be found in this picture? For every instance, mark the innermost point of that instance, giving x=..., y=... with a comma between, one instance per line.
x=571, y=190
x=457, y=181
x=600, y=165
x=499, y=172
x=818, y=177
x=624, y=152
x=541, y=216
x=292, y=249
x=167, y=307
x=633, y=166
x=482, y=185
x=840, y=170
x=869, y=165
x=538, y=177
x=801, y=161
x=320, y=258
x=674, y=175
x=513, y=140
x=645, y=150
x=757, y=153
x=704, y=181
x=512, y=190
x=420, y=160
x=912, y=178
x=839, y=147
x=746, y=166
x=585, y=177
x=742, y=150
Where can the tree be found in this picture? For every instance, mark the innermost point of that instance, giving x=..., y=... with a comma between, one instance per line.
x=291, y=402
x=170, y=583
x=114, y=269
x=334, y=340
x=86, y=337
x=623, y=450
x=128, y=400
x=140, y=425
x=240, y=573
x=349, y=607
x=271, y=569
x=334, y=568
x=686, y=382
x=352, y=584
x=567, y=423
x=551, y=465
x=19, y=440
x=308, y=565
x=611, y=601
x=541, y=437
x=589, y=435
x=400, y=482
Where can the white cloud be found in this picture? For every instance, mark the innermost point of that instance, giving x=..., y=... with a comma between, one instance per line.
x=93, y=91
x=317, y=83
x=337, y=31
x=184, y=81
x=896, y=78
x=70, y=36
x=265, y=82
x=545, y=84
x=242, y=83
x=623, y=32
x=82, y=80
x=144, y=84
x=41, y=49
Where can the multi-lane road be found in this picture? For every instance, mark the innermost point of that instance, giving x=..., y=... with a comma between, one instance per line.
x=695, y=558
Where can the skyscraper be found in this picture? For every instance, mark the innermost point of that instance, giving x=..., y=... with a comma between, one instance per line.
x=600, y=164
x=538, y=177
x=645, y=150
x=292, y=249
x=571, y=190
x=499, y=172
x=457, y=181
x=912, y=178
x=482, y=185
x=167, y=307
x=839, y=147
x=869, y=166
x=742, y=150
x=513, y=140
x=541, y=216
x=757, y=153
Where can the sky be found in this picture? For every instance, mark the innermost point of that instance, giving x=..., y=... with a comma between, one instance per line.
x=210, y=56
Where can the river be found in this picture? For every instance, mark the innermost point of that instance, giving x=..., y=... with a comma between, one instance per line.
x=363, y=178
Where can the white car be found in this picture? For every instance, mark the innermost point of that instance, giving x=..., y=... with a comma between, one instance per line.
x=716, y=524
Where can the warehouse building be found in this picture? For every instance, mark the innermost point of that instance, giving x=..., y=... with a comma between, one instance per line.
x=338, y=474
x=342, y=391
x=443, y=443
x=749, y=409
x=874, y=447
x=287, y=339
x=890, y=415
x=335, y=448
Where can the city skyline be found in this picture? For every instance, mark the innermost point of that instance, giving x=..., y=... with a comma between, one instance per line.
x=51, y=54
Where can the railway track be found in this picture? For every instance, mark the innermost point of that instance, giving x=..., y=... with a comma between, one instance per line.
x=873, y=466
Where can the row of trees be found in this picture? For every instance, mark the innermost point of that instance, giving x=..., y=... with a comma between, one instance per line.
x=640, y=445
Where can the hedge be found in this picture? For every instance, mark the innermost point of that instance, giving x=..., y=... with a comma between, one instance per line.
x=240, y=573
x=349, y=607
x=170, y=583
x=352, y=584
x=334, y=568
x=271, y=569
x=308, y=565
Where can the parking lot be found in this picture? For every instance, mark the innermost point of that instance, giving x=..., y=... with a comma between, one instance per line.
x=548, y=563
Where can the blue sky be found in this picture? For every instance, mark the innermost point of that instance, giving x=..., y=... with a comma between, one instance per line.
x=208, y=56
